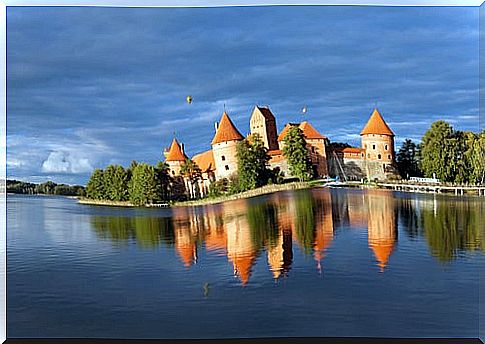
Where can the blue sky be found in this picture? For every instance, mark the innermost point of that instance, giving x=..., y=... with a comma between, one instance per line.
x=88, y=87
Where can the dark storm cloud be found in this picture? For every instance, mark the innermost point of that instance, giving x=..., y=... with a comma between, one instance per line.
x=93, y=86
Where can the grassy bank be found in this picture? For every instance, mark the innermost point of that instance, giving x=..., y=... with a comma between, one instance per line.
x=267, y=189
x=89, y=201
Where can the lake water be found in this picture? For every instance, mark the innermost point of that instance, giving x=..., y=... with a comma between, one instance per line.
x=301, y=263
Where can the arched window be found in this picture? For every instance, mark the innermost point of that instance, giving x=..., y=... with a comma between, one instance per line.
x=389, y=157
x=379, y=156
x=227, y=168
x=373, y=146
x=223, y=158
x=386, y=147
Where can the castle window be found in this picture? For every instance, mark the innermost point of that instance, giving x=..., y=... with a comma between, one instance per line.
x=173, y=172
x=379, y=156
x=389, y=157
x=368, y=155
x=373, y=146
x=227, y=167
x=313, y=149
x=386, y=147
x=362, y=154
x=223, y=158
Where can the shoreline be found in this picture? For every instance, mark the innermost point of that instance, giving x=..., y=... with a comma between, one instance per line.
x=263, y=190
x=269, y=189
x=89, y=201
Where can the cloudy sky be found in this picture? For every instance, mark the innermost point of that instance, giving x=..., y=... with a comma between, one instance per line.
x=88, y=87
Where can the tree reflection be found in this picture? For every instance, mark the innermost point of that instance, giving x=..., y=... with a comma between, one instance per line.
x=147, y=231
x=408, y=217
x=305, y=220
x=453, y=226
x=262, y=220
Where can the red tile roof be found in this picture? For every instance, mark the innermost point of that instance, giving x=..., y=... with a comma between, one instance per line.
x=205, y=161
x=349, y=150
x=226, y=131
x=175, y=153
x=376, y=125
x=282, y=135
x=309, y=131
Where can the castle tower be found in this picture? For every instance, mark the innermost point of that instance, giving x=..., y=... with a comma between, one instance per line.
x=175, y=158
x=224, y=147
x=378, y=140
x=263, y=123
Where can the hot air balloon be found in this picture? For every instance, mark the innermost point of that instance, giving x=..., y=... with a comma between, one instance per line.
x=304, y=110
x=189, y=99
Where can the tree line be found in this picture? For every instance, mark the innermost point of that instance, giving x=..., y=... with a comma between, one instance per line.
x=445, y=153
x=47, y=188
x=140, y=183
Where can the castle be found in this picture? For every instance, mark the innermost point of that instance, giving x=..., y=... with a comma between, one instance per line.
x=373, y=160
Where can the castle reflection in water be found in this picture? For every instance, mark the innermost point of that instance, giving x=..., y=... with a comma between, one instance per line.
x=243, y=230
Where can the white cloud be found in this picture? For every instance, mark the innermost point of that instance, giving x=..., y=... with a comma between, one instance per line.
x=15, y=162
x=65, y=162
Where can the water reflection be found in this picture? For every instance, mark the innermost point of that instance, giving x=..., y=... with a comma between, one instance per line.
x=243, y=230
x=381, y=225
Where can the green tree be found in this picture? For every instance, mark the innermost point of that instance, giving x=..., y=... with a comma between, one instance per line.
x=95, y=186
x=407, y=160
x=252, y=160
x=437, y=155
x=297, y=155
x=477, y=158
x=116, y=183
x=142, y=185
x=163, y=181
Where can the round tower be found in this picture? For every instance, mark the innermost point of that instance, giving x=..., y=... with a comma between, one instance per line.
x=175, y=158
x=224, y=147
x=378, y=140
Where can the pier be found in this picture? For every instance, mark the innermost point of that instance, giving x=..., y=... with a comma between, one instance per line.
x=435, y=188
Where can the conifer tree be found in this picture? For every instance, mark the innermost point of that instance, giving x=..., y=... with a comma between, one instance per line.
x=407, y=160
